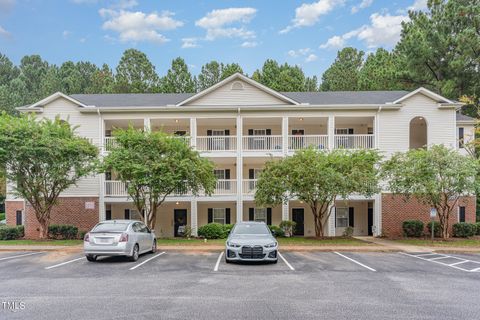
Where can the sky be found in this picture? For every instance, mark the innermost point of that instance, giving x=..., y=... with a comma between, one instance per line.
x=306, y=33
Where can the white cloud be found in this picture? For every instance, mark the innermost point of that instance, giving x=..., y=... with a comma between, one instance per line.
x=335, y=42
x=249, y=44
x=364, y=4
x=311, y=57
x=4, y=33
x=139, y=26
x=189, y=43
x=218, y=23
x=299, y=52
x=418, y=5
x=308, y=14
x=66, y=34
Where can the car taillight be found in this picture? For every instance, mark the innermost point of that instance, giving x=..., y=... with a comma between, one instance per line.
x=123, y=237
x=87, y=237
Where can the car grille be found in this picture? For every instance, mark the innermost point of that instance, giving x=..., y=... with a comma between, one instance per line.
x=249, y=252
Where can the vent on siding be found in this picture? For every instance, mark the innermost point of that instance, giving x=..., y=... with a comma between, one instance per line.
x=237, y=85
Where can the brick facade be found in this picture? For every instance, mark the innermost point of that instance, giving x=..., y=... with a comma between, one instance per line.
x=69, y=210
x=395, y=210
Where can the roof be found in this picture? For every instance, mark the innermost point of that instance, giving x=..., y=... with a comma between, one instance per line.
x=462, y=117
x=163, y=99
x=131, y=99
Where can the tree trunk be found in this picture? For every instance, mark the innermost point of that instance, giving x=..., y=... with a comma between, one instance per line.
x=43, y=228
x=152, y=218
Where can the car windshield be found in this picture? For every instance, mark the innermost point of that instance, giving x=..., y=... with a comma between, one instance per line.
x=110, y=227
x=251, y=229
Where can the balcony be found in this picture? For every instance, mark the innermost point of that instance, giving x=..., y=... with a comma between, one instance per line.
x=297, y=142
x=216, y=143
x=249, y=186
x=354, y=141
x=263, y=143
x=109, y=142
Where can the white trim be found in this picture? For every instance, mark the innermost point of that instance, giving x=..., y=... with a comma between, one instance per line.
x=51, y=98
x=427, y=93
x=240, y=77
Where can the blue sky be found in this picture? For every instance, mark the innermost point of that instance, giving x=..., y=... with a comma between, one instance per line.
x=307, y=33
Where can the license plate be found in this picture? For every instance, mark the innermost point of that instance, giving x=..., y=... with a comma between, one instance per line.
x=101, y=240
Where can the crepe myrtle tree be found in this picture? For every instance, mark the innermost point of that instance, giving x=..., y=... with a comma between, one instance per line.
x=43, y=158
x=318, y=178
x=154, y=165
x=438, y=177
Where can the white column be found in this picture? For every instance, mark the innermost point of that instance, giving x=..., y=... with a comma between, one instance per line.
x=285, y=135
x=193, y=217
x=285, y=212
x=146, y=124
x=331, y=132
x=377, y=215
x=331, y=222
x=193, y=132
x=375, y=130
x=101, y=176
x=239, y=169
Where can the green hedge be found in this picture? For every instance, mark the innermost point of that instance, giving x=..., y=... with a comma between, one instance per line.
x=413, y=228
x=436, y=227
x=11, y=233
x=2, y=216
x=62, y=231
x=478, y=228
x=277, y=231
x=212, y=231
x=464, y=230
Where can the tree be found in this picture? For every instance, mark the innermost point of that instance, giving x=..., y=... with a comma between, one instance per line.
x=51, y=82
x=343, y=74
x=44, y=158
x=437, y=177
x=318, y=178
x=8, y=71
x=102, y=81
x=178, y=78
x=210, y=74
x=230, y=69
x=135, y=73
x=380, y=72
x=154, y=165
x=284, y=77
x=311, y=84
x=32, y=71
x=440, y=48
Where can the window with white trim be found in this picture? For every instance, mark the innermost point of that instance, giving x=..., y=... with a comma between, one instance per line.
x=219, y=174
x=342, y=217
x=461, y=137
x=219, y=215
x=343, y=130
x=260, y=215
x=135, y=215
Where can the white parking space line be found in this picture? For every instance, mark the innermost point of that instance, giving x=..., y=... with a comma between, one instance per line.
x=143, y=262
x=286, y=262
x=218, y=261
x=63, y=263
x=355, y=261
x=445, y=256
x=20, y=255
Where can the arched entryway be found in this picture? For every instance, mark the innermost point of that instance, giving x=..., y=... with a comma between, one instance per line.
x=418, y=133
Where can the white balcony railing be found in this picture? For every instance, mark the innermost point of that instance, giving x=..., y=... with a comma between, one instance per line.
x=262, y=143
x=302, y=142
x=249, y=186
x=216, y=143
x=115, y=188
x=226, y=186
x=354, y=141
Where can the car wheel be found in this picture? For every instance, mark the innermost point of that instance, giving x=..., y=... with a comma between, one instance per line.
x=154, y=246
x=91, y=258
x=134, y=256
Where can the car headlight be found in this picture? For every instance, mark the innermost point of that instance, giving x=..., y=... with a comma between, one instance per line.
x=271, y=245
x=233, y=245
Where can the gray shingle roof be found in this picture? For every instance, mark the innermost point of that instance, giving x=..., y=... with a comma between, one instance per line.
x=131, y=99
x=346, y=97
x=462, y=117
x=162, y=99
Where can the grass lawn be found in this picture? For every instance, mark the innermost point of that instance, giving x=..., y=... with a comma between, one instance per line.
x=21, y=242
x=282, y=241
x=453, y=242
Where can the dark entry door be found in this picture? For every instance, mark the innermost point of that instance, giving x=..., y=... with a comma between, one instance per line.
x=370, y=221
x=298, y=218
x=180, y=219
x=18, y=218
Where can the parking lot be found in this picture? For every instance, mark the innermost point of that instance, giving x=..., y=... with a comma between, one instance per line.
x=200, y=285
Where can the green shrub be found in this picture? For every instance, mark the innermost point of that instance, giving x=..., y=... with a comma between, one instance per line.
x=62, y=231
x=288, y=227
x=464, y=230
x=212, y=231
x=226, y=229
x=437, y=232
x=11, y=233
x=2, y=216
x=478, y=228
x=348, y=232
x=277, y=231
x=81, y=234
x=413, y=228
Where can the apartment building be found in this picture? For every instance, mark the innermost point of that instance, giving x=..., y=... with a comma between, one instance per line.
x=240, y=124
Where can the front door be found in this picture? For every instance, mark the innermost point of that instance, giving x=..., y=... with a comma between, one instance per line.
x=370, y=221
x=298, y=218
x=180, y=221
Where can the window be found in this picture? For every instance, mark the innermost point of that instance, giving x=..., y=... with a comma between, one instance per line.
x=19, y=218
x=461, y=137
x=135, y=215
x=344, y=131
x=341, y=217
x=260, y=215
x=219, y=215
x=219, y=173
x=461, y=214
